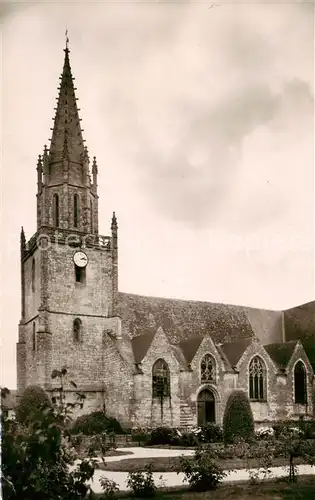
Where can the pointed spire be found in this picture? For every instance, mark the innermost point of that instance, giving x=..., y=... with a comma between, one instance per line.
x=22, y=240
x=86, y=155
x=45, y=167
x=94, y=167
x=114, y=225
x=66, y=121
x=39, y=169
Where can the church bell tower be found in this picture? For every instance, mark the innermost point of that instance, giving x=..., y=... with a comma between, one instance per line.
x=69, y=272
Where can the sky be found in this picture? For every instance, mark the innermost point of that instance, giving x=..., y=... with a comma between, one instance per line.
x=202, y=122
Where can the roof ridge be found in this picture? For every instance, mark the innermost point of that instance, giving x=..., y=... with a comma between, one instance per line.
x=175, y=299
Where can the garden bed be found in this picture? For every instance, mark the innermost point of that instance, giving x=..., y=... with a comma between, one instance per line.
x=172, y=464
x=304, y=489
x=116, y=453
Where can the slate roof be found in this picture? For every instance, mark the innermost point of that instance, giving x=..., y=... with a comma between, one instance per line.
x=183, y=319
x=232, y=327
x=234, y=350
x=141, y=344
x=300, y=325
x=189, y=347
x=309, y=347
x=300, y=322
x=281, y=353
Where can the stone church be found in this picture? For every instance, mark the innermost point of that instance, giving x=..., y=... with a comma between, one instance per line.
x=147, y=361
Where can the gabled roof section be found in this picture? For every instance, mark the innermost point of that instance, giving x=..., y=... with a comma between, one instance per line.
x=124, y=347
x=67, y=140
x=189, y=347
x=234, y=350
x=179, y=355
x=281, y=353
x=141, y=344
x=309, y=348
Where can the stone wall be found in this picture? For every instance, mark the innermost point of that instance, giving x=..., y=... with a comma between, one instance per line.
x=118, y=379
x=146, y=411
x=65, y=295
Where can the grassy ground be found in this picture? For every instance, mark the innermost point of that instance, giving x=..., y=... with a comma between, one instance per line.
x=115, y=453
x=304, y=489
x=172, y=464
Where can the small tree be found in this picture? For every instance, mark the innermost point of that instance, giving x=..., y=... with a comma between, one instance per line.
x=38, y=461
x=33, y=401
x=292, y=445
x=238, y=421
x=202, y=472
x=142, y=483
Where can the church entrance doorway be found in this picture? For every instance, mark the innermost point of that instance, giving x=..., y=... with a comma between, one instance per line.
x=206, y=407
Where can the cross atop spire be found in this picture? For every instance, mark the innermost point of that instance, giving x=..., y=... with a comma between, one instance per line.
x=67, y=39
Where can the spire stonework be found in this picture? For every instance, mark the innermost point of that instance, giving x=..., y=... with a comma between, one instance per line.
x=66, y=171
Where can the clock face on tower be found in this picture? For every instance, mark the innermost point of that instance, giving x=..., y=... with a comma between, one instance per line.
x=80, y=259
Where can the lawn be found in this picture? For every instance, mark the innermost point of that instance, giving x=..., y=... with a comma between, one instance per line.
x=172, y=464
x=304, y=489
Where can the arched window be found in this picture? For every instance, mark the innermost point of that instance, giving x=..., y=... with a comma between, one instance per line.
x=56, y=210
x=207, y=368
x=91, y=210
x=77, y=330
x=160, y=379
x=75, y=210
x=33, y=275
x=257, y=379
x=300, y=385
x=34, y=337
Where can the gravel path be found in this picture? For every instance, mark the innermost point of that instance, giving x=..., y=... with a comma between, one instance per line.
x=172, y=478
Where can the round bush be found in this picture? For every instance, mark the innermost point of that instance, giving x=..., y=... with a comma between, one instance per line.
x=211, y=433
x=96, y=423
x=238, y=421
x=33, y=401
x=164, y=435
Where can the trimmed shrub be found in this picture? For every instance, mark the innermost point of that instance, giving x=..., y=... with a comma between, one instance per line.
x=211, y=433
x=32, y=403
x=165, y=435
x=238, y=421
x=96, y=423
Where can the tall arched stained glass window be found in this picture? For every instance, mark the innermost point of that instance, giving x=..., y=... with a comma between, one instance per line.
x=257, y=379
x=34, y=337
x=92, y=216
x=160, y=379
x=75, y=210
x=56, y=210
x=33, y=275
x=300, y=383
x=207, y=368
